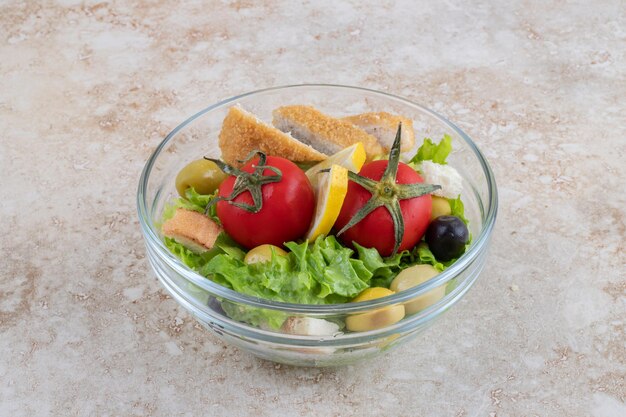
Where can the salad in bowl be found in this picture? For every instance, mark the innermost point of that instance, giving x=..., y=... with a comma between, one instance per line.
x=317, y=235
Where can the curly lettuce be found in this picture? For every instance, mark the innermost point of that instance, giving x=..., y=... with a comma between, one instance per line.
x=458, y=209
x=192, y=201
x=321, y=272
x=431, y=151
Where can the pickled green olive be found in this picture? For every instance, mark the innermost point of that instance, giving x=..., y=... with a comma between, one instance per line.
x=375, y=319
x=262, y=253
x=204, y=176
x=412, y=277
x=441, y=207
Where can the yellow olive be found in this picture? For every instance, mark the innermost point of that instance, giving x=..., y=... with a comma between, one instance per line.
x=263, y=253
x=413, y=276
x=204, y=176
x=441, y=207
x=375, y=319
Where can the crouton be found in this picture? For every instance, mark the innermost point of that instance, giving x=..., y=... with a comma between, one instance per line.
x=384, y=126
x=242, y=132
x=326, y=134
x=193, y=230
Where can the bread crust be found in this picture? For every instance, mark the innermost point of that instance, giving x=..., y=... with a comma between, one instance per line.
x=384, y=126
x=321, y=128
x=192, y=229
x=242, y=132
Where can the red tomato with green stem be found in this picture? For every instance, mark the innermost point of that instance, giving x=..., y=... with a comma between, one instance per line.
x=376, y=230
x=387, y=206
x=269, y=200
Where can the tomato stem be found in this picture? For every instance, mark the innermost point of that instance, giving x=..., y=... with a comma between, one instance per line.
x=391, y=171
x=387, y=193
x=372, y=204
x=398, y=223
x=247, y=181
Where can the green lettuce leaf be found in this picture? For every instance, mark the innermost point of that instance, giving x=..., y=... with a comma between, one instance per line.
x=322, y=272
x=425, y=256
x=331, y=266
x=192, y=201
x=458, y=209
x=436, y=152
x=261, y=317
x=276, y=280
x=224, y=244
x=383, y=270
x=193, y=260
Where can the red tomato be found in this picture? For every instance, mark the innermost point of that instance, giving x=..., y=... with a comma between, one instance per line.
x=287, y=210
x=376, y=229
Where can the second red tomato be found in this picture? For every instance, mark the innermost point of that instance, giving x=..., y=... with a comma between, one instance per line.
x=376, y=230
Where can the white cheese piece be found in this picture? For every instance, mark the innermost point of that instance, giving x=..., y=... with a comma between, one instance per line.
x=450, y=180
x=309, y=326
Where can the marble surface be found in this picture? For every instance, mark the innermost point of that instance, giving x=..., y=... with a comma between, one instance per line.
x=87, y=90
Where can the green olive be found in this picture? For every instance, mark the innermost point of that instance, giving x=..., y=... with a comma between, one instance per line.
x=204, y=176
x=413, y=276
x=263, y=253
x=375, y=319
x=441, y=207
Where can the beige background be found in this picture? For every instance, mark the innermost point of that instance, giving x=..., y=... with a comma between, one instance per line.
x=88, y=90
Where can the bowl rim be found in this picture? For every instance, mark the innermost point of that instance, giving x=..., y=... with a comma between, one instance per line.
x=479, y=243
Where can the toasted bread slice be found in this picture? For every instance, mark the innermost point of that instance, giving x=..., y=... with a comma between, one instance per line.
x=326, y=134
x=242, y=132
x=383, y=126
x=193, y=230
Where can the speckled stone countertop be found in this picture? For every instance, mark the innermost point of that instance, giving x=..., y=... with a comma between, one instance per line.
x=88, y=90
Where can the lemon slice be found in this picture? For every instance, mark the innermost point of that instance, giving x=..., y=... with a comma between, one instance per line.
x=351, y=158
x=331, y=189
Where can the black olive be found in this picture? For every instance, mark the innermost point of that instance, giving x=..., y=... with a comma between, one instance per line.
x=215, y=305
x=446, y=237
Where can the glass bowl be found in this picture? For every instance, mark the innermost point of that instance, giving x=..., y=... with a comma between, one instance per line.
x=209, y=302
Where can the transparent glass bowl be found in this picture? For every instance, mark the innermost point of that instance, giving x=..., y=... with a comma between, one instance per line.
x=207, y=301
